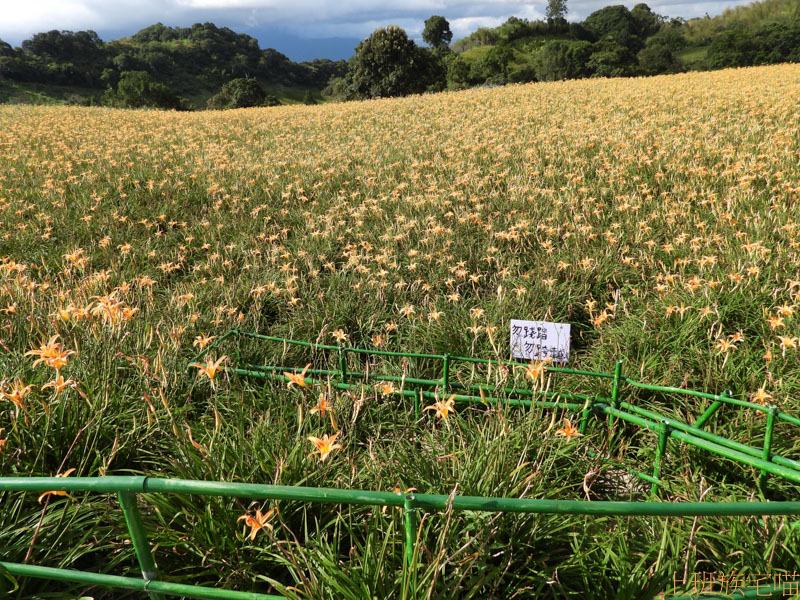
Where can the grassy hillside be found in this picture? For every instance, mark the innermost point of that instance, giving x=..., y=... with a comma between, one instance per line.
x=657, y=216
x=700, y=30
x=12, y=92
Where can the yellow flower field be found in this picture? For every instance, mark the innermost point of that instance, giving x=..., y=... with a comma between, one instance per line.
x=659, y=216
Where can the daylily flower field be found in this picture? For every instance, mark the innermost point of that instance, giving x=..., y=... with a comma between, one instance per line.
x=660, y=217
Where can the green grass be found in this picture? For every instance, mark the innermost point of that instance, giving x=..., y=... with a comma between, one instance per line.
x=36, y=93
x=694, y=57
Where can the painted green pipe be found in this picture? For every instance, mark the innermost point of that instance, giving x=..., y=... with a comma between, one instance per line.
x=615, y=383
x=342, y=365
x=274, y=492
x=762, y=479
x=661, y=448
x=701, y=433
x=110, y=484
x=141, y=545
x=410, y=514
x=131, y=583
x=707, y=414
x=671, y=390
x=390, y=353
x=588, y=409
x=604, y=507
x=270, y=338
x=770, y=467
x=788, y=418
x=281, y=370
x=509, y=401
x=238, y=347
x=721, y=398
x=427, y=501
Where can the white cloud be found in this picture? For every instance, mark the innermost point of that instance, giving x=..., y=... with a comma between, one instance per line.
x=311, y=18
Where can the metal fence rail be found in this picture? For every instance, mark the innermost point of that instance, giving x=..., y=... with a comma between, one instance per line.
x=418, y=389
x=128, y=487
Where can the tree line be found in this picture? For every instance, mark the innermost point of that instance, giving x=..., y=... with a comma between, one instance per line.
x=611, y=42
x=161, y=66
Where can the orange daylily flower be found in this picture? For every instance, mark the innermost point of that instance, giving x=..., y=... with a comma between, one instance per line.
x=761, y=396
x=535, y=371
x=210, y=368
x=51, y=354
x=325, y=445
x=568, y=431
x=387, y=388
x=58, y=492
x=60, y=383
x=203, y=340
x=17, y=393
x=322, y=406
x=257, y=522
x=442, y=407
x=298, y=379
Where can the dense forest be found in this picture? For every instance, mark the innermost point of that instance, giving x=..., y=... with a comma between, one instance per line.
x=182, y=65
x=205, y=66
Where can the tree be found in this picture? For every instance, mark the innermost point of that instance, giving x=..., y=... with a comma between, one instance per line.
x=458, y=73
x=387, y=64
x=617, y=23
x=655, y=59
x=562, y=59
x=437, y=32
x=238, y=93
x=556, y=10
x=649, y=22
x=308, y=98
x=137, y=89
x=611, y=59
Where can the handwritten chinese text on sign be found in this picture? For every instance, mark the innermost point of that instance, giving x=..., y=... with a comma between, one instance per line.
x=540, y=340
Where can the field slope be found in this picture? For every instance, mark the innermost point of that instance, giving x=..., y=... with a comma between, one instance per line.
x=659, y=217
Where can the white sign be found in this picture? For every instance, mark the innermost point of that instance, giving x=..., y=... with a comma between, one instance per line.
x=540, y=340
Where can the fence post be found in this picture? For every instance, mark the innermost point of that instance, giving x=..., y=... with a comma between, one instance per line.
x=446, y=372
x=141, y=545
x=663, y=436
x=411, y=527
x=587, y=410
x=343, y=364
x=417, y=402
x=762, y=480
x=615, y=384
x=238, y=350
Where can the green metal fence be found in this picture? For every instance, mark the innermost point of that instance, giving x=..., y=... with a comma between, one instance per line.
x=767, y=461
x=343, y=376
x=127, y=489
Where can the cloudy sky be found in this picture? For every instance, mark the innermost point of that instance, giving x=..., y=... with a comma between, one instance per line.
x=301, y=29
